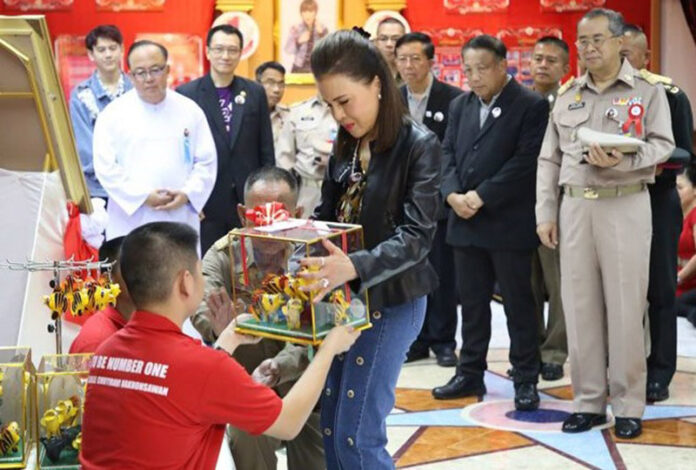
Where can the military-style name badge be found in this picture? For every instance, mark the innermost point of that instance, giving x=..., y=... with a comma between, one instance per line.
x=496, y=112
x=438, y=117
x=573, y=106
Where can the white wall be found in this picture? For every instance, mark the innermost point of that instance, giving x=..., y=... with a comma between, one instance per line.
x=678, y=49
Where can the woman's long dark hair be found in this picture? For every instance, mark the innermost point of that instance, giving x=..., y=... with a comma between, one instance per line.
x=349, y=53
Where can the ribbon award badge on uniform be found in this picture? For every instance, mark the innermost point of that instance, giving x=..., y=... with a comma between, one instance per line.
x=635, y=116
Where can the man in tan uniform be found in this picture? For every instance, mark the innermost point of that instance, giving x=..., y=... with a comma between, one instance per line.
x=604, y=222
x=274, y=363
x=304, y=147
x=271, y=76
x=549, y=65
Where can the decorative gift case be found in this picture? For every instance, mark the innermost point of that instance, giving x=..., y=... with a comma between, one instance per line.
x=61, y=383
x=16, y=371
x=265, y=262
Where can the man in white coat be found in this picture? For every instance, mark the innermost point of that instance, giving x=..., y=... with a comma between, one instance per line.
x=154, y=153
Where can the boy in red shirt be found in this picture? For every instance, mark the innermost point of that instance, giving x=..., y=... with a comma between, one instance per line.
x=158, y=398
x=106, y=322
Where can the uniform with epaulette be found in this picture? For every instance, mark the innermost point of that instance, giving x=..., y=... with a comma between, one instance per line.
x=667, y=224
x=258, y=452
x=604, y=223
x=279, y=115
x=304, y=146
x=546, y=283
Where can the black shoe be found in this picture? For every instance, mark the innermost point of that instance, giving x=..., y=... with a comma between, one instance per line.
x=446, y=358
x=526, y=397
x=581, y=422
x=416, y=355
x=656, y=392
x=550, y=371
x=460, y=386
x=628, y=428
x=511, y=372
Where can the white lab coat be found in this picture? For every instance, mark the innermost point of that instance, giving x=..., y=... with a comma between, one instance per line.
x=140, y=147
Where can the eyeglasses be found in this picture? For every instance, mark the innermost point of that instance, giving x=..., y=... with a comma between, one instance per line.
x=220, y=51
x=273, y=84
x=414, y=59
x=596, y=42
x=385, y=38
x=154, y=72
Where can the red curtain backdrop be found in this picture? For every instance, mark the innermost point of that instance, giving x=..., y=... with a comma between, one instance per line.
x=177, y=16
x=432, y=15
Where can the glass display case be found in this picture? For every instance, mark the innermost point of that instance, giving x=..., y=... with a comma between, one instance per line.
x=265, y=263
x=61, y=383
x=16, y=405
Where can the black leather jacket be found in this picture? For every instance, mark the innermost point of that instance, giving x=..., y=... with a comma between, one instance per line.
x=399, y=208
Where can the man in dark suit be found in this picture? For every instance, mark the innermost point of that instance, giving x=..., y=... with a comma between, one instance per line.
x=490, y=149
x=666, y=225
x=232, y=105
x=428, y=100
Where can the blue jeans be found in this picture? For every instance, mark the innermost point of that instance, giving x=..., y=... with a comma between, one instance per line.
x=359, y=391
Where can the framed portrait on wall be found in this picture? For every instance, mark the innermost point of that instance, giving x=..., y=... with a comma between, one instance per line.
x=448, y=44
x=570, y=5
x=130, y=5
x=185, y=55
x=24, y=5
x=520, y=48
x=476, y=6
x=302, y=23
x=72, y=61
x=377, y=17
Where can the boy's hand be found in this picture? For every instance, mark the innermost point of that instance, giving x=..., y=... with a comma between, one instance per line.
x=340, y=339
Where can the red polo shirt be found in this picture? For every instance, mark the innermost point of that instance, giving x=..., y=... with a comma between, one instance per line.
x=96, y=329
x=159, y=399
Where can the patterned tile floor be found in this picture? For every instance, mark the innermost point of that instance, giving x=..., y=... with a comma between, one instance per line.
x=469, y=433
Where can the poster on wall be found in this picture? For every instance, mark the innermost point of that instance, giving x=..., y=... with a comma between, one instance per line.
x=248, y=27
x=130, y=5
x=476, y=6
x=185, y=55
x=448, y=49
x=71, y=61
x=24, y=5
x=570, y=5
x=302, y=23
x=377, y=17
x=520, y=47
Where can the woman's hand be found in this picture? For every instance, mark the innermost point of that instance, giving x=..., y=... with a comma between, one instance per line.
x=327, y=272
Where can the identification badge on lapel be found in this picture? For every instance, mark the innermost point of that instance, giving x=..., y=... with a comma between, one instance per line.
x=573, y=106
x=438, y=117
x=496, y=112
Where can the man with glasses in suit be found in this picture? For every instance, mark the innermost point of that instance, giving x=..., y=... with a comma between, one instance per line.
x=233, y=106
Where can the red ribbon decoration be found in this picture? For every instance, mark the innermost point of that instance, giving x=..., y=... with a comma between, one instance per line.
x=267, y=214
x=635, y=115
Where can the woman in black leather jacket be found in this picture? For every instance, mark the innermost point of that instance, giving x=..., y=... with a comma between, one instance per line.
x=384, y=175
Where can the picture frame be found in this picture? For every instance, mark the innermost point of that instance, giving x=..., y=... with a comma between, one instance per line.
x=36, y=134
x=294, y=33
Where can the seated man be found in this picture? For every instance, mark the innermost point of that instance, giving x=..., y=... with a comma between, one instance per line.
x=158, y=398
x=106, y=322
x=279, y=365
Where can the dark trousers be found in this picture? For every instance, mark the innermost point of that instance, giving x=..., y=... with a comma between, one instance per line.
x=212, y=231
x=441, y=317
x=667, y=225
x=477, y=269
